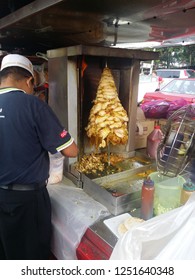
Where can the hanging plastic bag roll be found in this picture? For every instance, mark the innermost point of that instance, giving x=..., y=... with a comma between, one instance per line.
x=169, y=236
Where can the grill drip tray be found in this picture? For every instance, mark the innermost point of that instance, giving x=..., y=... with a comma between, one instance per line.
x=119, y=192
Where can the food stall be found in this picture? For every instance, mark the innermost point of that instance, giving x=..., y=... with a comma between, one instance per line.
x=107, y=175
x=86, y=205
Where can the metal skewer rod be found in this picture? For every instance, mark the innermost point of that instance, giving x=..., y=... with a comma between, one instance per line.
x=108, y=151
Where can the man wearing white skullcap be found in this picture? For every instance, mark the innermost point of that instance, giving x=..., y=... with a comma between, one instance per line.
x=29, y=129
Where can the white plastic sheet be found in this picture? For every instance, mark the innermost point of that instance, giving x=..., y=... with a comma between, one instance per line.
x=73, y=211
x=170, y=236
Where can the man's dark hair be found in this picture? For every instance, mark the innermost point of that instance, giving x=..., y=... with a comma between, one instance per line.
x=17, y=72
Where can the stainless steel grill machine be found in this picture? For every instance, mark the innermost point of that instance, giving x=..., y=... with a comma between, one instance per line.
x=74, y=74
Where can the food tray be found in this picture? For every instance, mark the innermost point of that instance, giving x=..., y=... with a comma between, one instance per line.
x=123, y=198
x=119, y=192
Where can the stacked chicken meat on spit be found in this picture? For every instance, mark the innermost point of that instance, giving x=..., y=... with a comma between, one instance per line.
x=108, y=119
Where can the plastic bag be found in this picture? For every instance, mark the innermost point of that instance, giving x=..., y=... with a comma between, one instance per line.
x=155, y=109
x=169, y=236
x=56, y=168
x=175, y=105
x=73, y=211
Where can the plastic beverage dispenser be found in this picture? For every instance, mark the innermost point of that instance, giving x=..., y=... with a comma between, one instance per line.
x=167, y=192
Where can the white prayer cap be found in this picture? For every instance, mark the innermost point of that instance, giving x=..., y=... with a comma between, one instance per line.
x=17, y=60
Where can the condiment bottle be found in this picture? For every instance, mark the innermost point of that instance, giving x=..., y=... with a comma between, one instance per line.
x=147, y=199
x=153, y=141
x=187, y=190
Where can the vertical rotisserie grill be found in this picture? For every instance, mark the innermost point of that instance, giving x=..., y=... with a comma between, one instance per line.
x=97, y=100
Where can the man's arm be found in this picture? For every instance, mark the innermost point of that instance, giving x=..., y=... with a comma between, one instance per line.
x=70, y=151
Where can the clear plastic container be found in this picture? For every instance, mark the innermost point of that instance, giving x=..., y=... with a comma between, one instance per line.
x=153, y=141
x=167, y=192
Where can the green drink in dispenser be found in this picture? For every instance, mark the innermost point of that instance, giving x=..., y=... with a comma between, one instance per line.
x=167, y=192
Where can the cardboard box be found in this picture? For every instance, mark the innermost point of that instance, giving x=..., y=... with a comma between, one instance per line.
x=144, y=128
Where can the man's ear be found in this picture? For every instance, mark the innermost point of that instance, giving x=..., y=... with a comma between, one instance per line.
x=30, y=81
x=29, y=85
